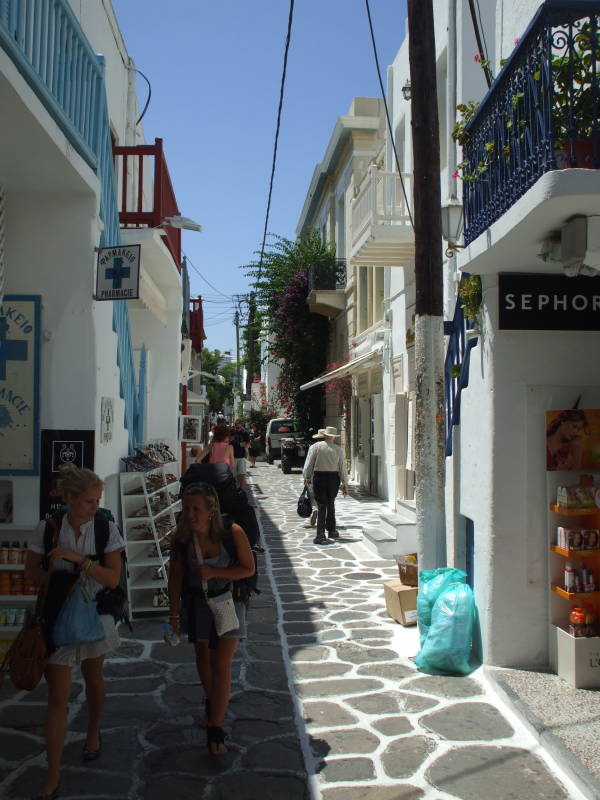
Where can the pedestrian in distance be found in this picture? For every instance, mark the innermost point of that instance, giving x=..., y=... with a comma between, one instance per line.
x=240, y=439
x=201, y=525
x=219, y=450
x=255, y=444
x=72, y=558
x=326, y=468
x=318, y=436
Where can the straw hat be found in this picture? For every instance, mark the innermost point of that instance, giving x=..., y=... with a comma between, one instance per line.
x=329, y=431
x=319, y=434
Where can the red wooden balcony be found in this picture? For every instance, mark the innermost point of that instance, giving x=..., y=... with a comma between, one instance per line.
x=146, y=193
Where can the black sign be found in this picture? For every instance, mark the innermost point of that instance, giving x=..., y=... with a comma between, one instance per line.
x=58, y=448
x=533, y=302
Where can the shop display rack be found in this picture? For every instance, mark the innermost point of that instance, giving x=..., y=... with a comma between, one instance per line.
x=149, y=504
x=575, y=659
x=14, y=532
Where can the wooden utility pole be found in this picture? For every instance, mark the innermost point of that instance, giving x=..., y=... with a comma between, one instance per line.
x=429, y=325
x=250, y=345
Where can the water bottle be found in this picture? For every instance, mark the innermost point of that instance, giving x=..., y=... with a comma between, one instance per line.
x=170, y=636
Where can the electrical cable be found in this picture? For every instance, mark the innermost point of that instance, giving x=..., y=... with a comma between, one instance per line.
x=281, y=92
x=487, y=52
x=387, y=114
x=195, y=268
x=147, y=99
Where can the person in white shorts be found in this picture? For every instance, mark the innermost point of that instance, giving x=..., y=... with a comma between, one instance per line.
x=73, y=549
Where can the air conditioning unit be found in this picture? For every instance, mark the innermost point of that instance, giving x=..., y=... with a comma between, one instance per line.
x=580, y=246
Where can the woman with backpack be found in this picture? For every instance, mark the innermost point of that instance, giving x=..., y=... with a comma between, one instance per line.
x=206, y=556
x=63, y=552
x=219, y=451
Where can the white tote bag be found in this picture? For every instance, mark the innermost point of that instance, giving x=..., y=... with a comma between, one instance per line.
x=222, y=607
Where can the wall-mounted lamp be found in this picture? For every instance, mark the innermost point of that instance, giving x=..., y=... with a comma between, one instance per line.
x=452, y=224
x=182, y=222
x=406, y=90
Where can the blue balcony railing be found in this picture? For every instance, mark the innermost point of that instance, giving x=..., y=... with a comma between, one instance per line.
x=49, y=48
x=456, y=367
x=541, y=113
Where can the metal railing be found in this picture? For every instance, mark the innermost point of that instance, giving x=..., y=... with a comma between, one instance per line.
x=146, y=192
x=331, y=275
x=456, y=367
x=50, y=50
x=540, y=114
x=47, y=45
x=380, y=201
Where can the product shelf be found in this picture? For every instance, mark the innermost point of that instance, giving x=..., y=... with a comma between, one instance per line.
x=155, y=516
x=149, y=584
x=561, y=551
x=11, y=567
x=573, y=595
x=574, y=512
x=152, y=561
x=18, y=598
x=145, y=609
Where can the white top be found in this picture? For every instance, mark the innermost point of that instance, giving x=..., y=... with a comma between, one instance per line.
x=325, y=456
x=86, y=546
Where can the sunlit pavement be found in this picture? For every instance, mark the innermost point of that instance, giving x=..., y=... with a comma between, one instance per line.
x=325, y=703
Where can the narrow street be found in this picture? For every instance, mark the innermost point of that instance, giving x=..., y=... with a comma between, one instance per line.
x=325, y=703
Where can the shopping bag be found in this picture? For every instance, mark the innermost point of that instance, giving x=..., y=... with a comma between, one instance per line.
x=78, y=621
x=432, y=583
x=223, y=610
x=304, y=504
x=448, y=647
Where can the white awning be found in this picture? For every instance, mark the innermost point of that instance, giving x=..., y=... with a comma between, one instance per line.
x=359, y=364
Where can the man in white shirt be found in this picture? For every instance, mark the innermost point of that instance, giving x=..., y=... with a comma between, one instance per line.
x=325, y=466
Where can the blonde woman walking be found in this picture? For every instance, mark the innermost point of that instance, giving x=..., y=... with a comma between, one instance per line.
x=72, y=557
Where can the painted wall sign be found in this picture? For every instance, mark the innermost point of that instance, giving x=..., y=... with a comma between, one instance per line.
x=118, y=273
x=549, y=302
x=107, y=417
x=62, y=447
x=19, y=384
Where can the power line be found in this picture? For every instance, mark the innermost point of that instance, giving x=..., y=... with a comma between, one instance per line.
x=387, y=113
x=281, y=91
x=195, y=268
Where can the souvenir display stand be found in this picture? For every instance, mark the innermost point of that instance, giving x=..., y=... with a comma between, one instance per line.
x=17, y=596
x=574, y=555
x=149, y=505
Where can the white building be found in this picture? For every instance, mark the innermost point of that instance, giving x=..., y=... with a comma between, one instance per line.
x=70, y=182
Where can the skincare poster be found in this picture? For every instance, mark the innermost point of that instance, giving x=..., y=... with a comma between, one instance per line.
x=573, y=439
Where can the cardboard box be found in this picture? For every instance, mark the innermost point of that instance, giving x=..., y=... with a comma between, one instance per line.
x=401, y=602
x=575, y=659
x=408, y=569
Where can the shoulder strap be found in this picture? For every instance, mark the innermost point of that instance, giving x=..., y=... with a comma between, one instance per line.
x=101, y=534
x=51, y=534
x=228, y=542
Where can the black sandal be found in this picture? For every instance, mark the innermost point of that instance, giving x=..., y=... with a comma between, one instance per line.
x=214, y=736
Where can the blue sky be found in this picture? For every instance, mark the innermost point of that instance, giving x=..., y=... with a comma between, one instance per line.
x=215, y=69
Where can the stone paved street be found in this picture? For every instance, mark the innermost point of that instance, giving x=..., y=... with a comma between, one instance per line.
x=326, y=702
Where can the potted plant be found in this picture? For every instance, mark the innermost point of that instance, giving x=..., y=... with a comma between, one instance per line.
x=469, y=291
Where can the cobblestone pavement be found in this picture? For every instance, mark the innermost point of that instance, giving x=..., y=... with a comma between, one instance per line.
x=325, y=702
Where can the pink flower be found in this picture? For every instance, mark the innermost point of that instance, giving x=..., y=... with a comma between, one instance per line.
x=455, y=174
x=517, y=40
x=478, y=57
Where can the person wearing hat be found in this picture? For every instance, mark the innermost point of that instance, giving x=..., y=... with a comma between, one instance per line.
x=325, y=467
x=313, y=517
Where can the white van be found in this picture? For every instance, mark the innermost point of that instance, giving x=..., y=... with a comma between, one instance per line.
x=277, y=429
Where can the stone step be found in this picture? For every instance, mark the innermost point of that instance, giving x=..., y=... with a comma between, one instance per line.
x=380, y=542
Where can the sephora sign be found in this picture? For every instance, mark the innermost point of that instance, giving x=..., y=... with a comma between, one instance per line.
x=549, y=302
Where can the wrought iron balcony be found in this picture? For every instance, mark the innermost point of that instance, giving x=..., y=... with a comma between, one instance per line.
x=146, y=193
x=330, y=276
x=540, y=114
x=382, y=233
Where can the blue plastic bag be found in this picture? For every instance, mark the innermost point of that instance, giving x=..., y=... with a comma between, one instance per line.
x=432, y=583
x=449, y=643
x=78, y=621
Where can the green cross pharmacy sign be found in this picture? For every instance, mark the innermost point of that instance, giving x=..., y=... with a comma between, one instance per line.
x=118, y=273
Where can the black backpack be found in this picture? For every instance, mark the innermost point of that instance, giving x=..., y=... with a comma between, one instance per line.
x=108, y=601
x=244, y=588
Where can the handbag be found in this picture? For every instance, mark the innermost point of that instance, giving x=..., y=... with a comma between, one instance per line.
x=78, y=621
x=304, y=504
x=221, y=607
x=27, y=657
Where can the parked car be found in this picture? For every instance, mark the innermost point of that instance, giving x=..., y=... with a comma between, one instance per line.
x=277, y=429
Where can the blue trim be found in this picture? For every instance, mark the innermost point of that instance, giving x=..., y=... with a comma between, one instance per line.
x=36, y=299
